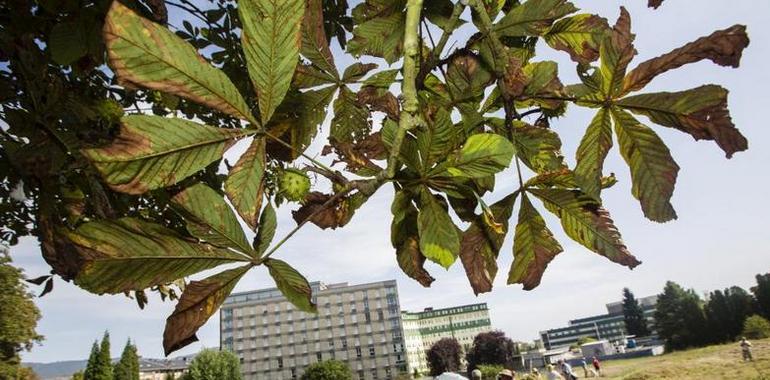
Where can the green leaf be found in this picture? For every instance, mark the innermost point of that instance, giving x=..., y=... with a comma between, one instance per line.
x=266, y=232
x=591, y=153
x=129, y=254
x=145, y=54
x=467, y=78
x=199, y=301
x=438, y=137
x=482, y=155
x=271, y=38
x=481, y=245
x=405, y=239
x=297, y=121
x=701, y=112
x=244, y=183
x=357, y=71
x=315, y=46
x=533, y=17
x=67, y=43
x=409, y=153
x=586, y=222
x=439, y=238
x=616, y=52
x=351, y=120
x=579, y=35
x=653, y=170
x=151, y=152
x=533, y=247
x=382, y=79
x=308, y=76
x=292, y=284
x=542, y=84
x=379, y=30
x=538, y=148
x=209, y=218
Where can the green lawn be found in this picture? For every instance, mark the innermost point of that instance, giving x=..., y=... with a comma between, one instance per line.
x=714, y=362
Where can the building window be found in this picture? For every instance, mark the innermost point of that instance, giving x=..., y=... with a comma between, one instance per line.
x=280, y=362
x=358, y=352
x=371, y=350
x=319, y=356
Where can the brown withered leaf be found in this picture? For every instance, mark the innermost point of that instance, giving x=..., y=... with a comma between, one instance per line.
x=515, y=80
x=654, y=3
x=481, y=245
x=358, y=155
x=412, y=262
x=701, y=112
x=159, y=10
x=533, y=247
x=315, y=46
x=199, y=301
x=57, y=250
x=335, y=215
x=723, y=47
x=379, y=100
x=617, y=51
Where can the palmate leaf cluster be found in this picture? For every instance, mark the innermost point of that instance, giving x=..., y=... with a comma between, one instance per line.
x=462, y=116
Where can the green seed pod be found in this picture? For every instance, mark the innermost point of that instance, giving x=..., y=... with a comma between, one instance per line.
x=294, y=184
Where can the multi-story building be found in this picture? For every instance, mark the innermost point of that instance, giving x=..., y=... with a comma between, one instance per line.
x=162, y=369
x=610, y=326
x=423, y=329
x=359, y=325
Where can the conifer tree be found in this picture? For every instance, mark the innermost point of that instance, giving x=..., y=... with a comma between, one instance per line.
x=103, y=360
x=90, y=372
x=128, y=366
x=633, y=315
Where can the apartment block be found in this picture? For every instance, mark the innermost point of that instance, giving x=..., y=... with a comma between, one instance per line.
x=423, y=329
x=610, y=326
x=357, y=324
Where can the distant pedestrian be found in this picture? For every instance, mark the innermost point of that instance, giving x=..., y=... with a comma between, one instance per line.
x=746, y=350
x=506, y=374
x=585, y=367
x=597, y=366
x=476, y=374
x=535, y=374
x=566, y=370
x=552, y=373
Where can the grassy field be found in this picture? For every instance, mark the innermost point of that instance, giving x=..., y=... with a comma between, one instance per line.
x=714, y=362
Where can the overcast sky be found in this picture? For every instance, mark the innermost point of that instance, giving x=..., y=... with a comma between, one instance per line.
x=720, y=239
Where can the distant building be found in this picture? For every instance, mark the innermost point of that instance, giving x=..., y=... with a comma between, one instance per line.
x=357, y=324
x=422, y=329
x=163, y=369
x=610, y=326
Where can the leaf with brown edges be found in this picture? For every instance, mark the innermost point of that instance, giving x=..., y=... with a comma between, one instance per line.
x=533, y=247
x=199, y=301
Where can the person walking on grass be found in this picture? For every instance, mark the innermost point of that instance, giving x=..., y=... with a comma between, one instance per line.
x=535, y=374
x=597, y=366
x=585, y=367
x=566, y=370
x=476, y=374
x=552, y=373
x=746, y=350
x=506, y=374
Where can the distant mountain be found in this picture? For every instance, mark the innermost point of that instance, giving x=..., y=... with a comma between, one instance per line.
x=56, y=370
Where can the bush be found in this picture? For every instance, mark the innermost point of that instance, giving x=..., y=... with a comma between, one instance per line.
x=756, y=327
x=489, y=371
x=444, y=356
x=327, y=370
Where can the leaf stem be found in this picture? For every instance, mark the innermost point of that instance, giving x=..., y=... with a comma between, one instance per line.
x=409, y=118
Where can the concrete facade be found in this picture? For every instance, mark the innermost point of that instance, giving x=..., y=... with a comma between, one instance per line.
x=357, y=324
x=423, y=329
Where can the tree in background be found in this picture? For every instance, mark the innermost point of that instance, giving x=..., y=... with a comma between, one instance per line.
x=762, y=295
x=444, y=356
x=633, y=315
x=128, y=366
x=214, y=364
x=18, y=318
x=327, y=370
x=756, y=327
x=490, y=348
x=78, y=376
x=679, y=317
x=489, y=371
x=725, y=313
x=99, y=366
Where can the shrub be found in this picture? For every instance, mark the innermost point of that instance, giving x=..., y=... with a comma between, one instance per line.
x=756, y=327
x=489, y=371
x=327, y=370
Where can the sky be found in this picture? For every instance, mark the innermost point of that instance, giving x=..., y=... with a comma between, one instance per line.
x=722, y=236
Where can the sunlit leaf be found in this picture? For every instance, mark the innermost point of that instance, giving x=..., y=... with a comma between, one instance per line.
x=129, y=254
x=244, y=184
x=533, y=17
x=533, y=247
x=593, y=149
x=152, y=152
x=579, y=35
x=271, y=39
x=405, y=239
x=439, y=238
x=482, y=155
x=145, y=54
x=292, y=284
